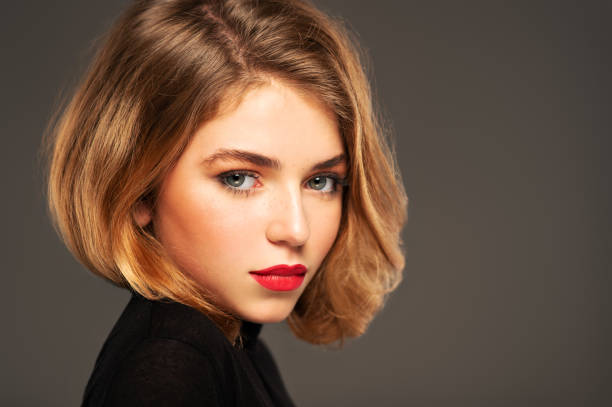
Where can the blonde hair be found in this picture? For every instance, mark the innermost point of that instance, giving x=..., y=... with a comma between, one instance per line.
x=164, y=68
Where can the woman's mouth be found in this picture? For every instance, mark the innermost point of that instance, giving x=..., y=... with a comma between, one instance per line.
x=280, y=277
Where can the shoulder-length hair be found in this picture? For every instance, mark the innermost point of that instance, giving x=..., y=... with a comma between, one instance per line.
x=164, y=68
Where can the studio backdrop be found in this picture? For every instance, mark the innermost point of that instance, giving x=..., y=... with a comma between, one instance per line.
x=500, y=116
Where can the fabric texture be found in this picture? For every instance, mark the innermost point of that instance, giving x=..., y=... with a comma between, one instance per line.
x=168, y=354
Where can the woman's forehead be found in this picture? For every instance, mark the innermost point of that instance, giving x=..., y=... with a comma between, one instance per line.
x=273, y=120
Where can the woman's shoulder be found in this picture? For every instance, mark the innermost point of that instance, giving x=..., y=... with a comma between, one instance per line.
x=160, y=352
x=165, y=371
x=144, y=322
x=172, y=320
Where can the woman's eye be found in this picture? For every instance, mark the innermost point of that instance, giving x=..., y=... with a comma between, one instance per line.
x=239, y=180
x=322, y=183
x=244, y=182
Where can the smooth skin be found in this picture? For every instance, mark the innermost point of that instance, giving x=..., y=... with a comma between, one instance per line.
x=222, y=212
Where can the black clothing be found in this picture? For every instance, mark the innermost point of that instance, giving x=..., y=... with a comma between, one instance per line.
x=168, y=354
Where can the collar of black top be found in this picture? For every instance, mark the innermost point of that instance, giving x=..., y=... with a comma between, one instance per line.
x=249, y=332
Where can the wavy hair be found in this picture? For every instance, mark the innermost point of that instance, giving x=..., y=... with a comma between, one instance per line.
x=163, y=69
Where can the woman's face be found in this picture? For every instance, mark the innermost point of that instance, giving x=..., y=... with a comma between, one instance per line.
x=258, y=186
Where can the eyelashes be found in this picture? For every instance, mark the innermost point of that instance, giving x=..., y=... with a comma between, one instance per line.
x=240, y=182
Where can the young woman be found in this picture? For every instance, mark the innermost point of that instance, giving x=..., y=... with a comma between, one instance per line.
x=221, y=160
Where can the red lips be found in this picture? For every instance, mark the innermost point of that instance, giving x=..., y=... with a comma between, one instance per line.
x=282, y=270
x=280, y=277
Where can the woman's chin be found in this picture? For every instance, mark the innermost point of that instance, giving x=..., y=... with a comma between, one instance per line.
x=265, y=316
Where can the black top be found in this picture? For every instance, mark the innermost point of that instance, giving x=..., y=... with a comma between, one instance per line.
x=168, y=354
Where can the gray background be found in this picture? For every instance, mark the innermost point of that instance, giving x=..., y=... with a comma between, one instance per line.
x=501, y=112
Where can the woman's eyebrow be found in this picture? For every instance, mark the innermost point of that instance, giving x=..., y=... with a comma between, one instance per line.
x=224, y=154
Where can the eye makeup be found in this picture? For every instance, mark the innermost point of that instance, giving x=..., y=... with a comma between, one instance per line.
x=234, y=179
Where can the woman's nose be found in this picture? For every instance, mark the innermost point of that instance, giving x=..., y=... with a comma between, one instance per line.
x=288, y=222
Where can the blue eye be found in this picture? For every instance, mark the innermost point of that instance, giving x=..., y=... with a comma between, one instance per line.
x=327, y=184
x=323, y=183
x=242, y=182
x=238, y=181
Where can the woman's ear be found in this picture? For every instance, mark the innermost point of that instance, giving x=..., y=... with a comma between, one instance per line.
x=142, y=214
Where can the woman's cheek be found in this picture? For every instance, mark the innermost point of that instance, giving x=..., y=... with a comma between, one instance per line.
x=325, y=229
x=229, y=222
